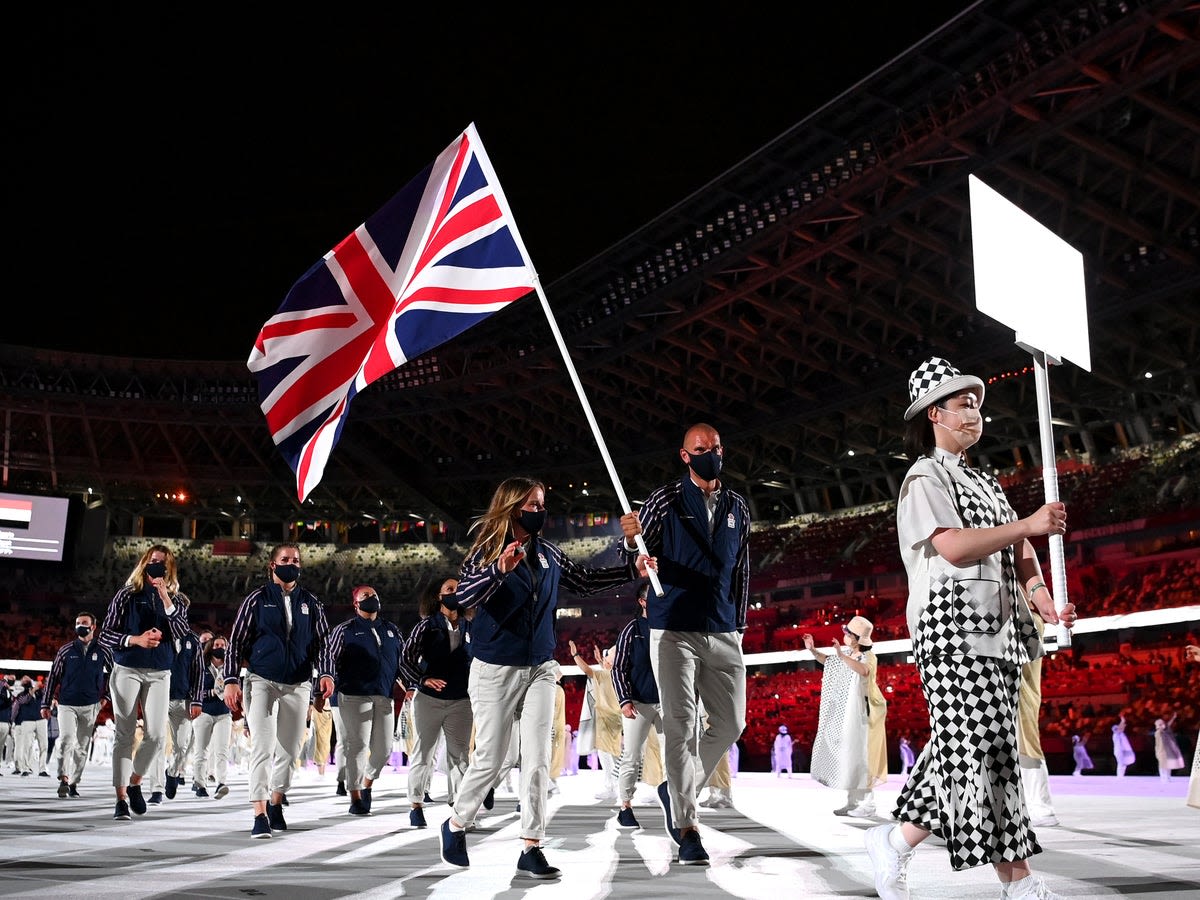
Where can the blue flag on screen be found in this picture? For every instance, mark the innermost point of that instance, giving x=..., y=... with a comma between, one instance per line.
x=439, y=257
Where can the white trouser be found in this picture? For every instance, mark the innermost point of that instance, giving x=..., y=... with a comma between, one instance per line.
x=368, y=721
x=500, y=694
x=275, y=713
x=1035, y=782
x=179, y=723
x=8, y=750
x=633, y=744
x=434, y=717
x=131, y=689
x=31, y=746
x=690, y=666
x=210, y=738
x=74, y=734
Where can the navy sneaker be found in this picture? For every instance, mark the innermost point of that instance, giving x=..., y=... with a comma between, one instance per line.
x=201, y=790
x=222, y=791
x=490, y=800
x=691, y=851
x=64, y=790
x=358, y=809
x=262, y=828
x=172, y=787
x=122, y=811
x=282, y=798
x=365, y=796
x=156, y=799
x=626, y=818
x=427, y=798
x=136, y=802
x=275, y=817
x=341, y=789
x=454, y=847
x=532, y=864
x=416, y=817
x=72, y=791
x=664, y=798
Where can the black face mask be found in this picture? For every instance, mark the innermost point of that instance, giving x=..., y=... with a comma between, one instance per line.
x=450, y=601
x=82, y=630
x=287, y=574
x=218, y=653
x=369, y=604
x=707, y=466
x=156, y=569
x=532, y=521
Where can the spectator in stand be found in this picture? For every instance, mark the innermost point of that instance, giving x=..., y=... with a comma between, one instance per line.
x=964, y=548
x=77, y=683
x=1122, y=749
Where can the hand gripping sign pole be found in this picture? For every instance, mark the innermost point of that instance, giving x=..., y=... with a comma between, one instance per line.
x=1031, y=280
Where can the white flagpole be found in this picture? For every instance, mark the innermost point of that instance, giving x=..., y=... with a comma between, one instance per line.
x=486, y=164
x=587, y=411
x=1058, y=569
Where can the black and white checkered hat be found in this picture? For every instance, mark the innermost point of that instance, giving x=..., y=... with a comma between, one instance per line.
x=934, y=380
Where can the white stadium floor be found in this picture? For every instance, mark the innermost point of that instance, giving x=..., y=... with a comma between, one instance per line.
x=1131, y=837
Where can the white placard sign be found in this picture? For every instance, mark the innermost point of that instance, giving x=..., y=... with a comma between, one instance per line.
x=1028, y=278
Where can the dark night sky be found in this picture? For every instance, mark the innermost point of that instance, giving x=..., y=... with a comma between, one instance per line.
x=170, y=178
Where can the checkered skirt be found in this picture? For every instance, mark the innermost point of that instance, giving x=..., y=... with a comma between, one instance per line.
x=966, y=785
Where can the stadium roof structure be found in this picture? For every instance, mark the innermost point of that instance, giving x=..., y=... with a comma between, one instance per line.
x=786, y=303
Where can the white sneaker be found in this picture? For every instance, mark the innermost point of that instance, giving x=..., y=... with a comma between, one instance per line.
x=890, y=867
x=1038, y=891
x=862, y=812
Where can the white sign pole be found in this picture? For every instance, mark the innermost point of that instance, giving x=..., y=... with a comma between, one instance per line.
x=1058, y=562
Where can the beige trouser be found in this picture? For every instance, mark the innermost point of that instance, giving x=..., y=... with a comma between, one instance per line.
x=74, y=734
x=369, y=721
x=275, y=713
x=147, y=690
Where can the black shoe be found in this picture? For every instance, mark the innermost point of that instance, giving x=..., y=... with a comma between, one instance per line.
x=454, y=847
x=64, y=790
x=136, y=801
x=262, y=828
x=358, y=809
x=490, y=800
x=122, y=811
x=532, y=864
x=365, y=796
x=156, y=798
x=341, y=789
x=416, y=817
x=26, y=774
x=171, y=787
x=222, y=791
x=44, y=774
x=664, y=799
x=626, y=818
x=71, y=791
x=691, y=851
x=275, y=817
x=201, y=791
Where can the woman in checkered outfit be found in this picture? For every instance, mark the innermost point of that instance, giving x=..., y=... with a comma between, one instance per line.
x=971, y=574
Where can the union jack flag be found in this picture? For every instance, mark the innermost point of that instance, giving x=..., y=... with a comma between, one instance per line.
x=439, y=257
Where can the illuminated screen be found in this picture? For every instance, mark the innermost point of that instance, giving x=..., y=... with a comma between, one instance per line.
x=1028, y=278
x=32, y=527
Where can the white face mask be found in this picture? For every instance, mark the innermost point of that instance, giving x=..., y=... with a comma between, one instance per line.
x=970, y=425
